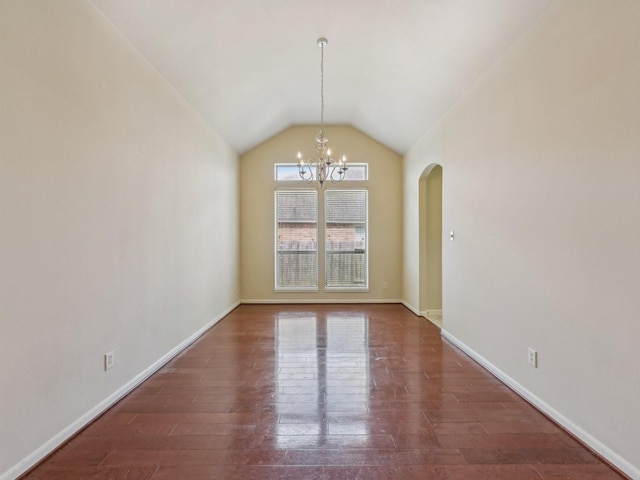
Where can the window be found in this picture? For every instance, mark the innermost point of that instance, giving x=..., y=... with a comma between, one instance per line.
x=288, y=172
x=296, y=239
x=346, y=239
x=339, y=236
x=343, y=239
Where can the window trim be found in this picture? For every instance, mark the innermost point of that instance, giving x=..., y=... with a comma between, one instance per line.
x=276, y=251
x=321, y=251
x=345, y=288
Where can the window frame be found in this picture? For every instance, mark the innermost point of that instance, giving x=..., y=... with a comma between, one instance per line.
x=364, y=287
x=321, y=253
x=277, y=251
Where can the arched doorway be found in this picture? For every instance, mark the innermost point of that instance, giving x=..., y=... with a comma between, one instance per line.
x=430, y=227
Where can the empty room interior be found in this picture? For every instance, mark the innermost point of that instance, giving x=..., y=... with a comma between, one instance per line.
x=192, y=285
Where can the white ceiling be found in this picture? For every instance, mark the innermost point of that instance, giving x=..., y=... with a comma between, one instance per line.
x=251, y=68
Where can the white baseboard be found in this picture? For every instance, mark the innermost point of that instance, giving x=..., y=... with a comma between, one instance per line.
x=414, y=310
x=284, y=301
x=40, y=453
x=593, y=443
x=422, y=313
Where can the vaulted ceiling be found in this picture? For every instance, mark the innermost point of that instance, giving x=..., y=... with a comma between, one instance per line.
x=252, y=67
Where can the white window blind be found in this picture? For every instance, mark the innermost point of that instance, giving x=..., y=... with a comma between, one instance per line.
x=296, y=239
x=346, y=259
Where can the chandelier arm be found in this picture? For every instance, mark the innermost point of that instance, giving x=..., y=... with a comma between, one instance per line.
x=305, y=172
x=340, y=171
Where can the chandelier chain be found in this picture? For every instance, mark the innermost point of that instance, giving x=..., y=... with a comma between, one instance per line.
x=322, y=88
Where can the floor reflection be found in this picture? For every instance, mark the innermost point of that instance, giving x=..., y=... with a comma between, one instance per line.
x=323, y=379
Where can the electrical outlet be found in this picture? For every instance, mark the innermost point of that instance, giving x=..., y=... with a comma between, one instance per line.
x=385, y=285
x=109, y=361
x=533, y=358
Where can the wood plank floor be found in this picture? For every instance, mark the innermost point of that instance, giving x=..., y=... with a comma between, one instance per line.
x=322, y=392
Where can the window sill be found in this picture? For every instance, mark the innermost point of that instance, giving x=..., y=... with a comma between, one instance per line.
x=296, y=290
x=347, y=289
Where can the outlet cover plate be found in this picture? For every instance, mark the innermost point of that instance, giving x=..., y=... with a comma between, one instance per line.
x=533, y=358
x=108, y=360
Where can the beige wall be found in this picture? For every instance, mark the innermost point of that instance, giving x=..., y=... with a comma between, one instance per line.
x=541, y=164
x=257, y=219
x=118, y=220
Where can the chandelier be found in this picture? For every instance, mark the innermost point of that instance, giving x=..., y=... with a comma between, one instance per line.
x=324, y=167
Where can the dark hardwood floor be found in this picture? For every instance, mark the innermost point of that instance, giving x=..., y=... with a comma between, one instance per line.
x=322, y=392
